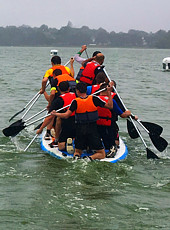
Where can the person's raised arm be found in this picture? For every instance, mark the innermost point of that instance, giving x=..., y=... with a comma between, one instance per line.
x=71, y=67
x=77, y=57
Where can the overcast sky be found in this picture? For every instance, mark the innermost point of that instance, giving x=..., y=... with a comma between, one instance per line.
x=112, y=15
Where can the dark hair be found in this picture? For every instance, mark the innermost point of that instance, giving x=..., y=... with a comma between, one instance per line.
x=82, y=87
x=64, y=86
x=100, y=77
x=56, y=60
x=57, y=72
x=95, y=53
x=103, y=86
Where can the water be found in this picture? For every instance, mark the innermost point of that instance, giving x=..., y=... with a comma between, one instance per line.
x=40, y=192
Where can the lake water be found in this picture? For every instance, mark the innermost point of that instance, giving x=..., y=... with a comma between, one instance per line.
x=38, y=191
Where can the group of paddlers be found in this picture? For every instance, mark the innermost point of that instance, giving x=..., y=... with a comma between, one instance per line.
x=84, y=108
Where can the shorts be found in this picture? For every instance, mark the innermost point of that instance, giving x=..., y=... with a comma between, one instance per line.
x=107, y=135
x=115, y=127
x=67, y=129
x=87, y=136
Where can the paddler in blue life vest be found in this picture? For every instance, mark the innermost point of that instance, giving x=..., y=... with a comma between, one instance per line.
x=86, y=115
x=67, y=129
x=56, y=64
x=106, y=123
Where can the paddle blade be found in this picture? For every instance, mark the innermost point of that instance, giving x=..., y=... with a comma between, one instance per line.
x=152, y=128
x=159, y=142
x=132, y=130
x=16, y=114
x=17, y=123
x=13, y=130
x=151, y=155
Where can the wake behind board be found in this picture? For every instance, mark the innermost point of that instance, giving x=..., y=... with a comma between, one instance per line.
x=55, y=152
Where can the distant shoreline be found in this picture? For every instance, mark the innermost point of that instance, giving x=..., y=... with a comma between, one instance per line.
x=67, y=36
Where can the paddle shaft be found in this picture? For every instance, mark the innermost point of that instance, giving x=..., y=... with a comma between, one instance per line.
x=30, y=142
x=126, y=109
x=34, y=99
x=59, y=110
x=36, y=114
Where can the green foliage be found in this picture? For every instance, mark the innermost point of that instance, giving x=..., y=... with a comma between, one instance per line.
x=69, y=36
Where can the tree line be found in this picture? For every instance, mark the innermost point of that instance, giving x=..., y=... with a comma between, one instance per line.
x=69, y=36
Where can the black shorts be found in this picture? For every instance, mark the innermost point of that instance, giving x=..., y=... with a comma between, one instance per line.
x=87, y=135
x=116, y=130
x=56, y=104
x=108, y=135
x=67, y=129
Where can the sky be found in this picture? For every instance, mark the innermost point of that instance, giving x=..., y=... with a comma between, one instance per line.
x=111, y=15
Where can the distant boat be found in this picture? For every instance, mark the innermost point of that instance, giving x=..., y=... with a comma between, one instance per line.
x=53, y=52
x=166, y=64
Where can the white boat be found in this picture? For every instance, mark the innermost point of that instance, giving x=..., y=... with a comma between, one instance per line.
x=53, y=52
x=166, y=64
x=55, y=152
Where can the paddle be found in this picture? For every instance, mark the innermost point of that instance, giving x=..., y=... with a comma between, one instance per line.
x=30, y=142
x=21, y=122
x=131, y=130
x=24, y=107
x=159, y=142
x=151, y=127
x=147, y=126
x=150, y=154
x=36, y=97
x=14, y=129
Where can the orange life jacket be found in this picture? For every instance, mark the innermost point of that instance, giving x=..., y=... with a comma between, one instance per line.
x=88, y=74
x=61, y=67
x=64, y=77
x=68, y=98
x=86, y=111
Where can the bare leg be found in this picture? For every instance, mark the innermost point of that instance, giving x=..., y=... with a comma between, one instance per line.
x=78, y=152
x=100, y=154
x=50, y=125
x=61, y=145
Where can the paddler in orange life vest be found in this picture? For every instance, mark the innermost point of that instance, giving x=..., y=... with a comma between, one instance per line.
x=56, y=64
x=59, y=77
x=86, y=115
x=106, y=123
x=91, y=69
x=67, y=129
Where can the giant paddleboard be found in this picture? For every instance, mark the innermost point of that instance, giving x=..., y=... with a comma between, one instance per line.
x=55, y=152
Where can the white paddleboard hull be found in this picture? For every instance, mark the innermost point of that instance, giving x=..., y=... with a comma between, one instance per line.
x=55, y=152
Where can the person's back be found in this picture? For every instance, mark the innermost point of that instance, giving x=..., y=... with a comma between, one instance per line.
x=56, y=64
x=91, y=69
